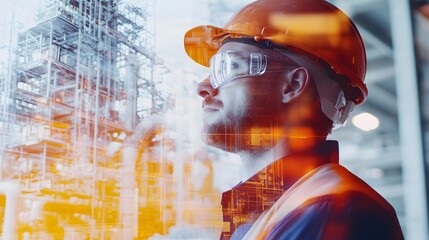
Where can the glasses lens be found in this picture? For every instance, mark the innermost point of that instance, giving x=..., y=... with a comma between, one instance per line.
x=258, y=64
x=217, y=68
x=229, y=65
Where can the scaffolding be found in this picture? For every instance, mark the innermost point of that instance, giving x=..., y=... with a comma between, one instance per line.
x=80, y=80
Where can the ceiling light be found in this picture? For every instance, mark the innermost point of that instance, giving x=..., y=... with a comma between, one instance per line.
x=365, y=121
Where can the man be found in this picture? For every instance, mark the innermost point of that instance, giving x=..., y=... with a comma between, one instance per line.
x=282, y=74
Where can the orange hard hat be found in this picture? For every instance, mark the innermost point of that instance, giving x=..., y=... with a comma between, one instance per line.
x=314, y=27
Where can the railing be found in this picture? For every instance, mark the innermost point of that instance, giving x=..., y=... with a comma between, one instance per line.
x=58, y=9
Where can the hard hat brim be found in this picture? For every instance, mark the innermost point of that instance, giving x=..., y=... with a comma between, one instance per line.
x=202, y=42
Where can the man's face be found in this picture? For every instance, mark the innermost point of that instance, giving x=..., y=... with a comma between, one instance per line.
x=242, y=109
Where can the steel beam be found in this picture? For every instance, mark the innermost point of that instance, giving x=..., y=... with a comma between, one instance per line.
x=410, y=126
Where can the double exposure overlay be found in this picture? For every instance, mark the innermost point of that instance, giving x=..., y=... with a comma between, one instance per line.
x=214, y=119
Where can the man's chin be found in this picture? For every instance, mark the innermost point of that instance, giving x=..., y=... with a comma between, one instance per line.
x=219, y=139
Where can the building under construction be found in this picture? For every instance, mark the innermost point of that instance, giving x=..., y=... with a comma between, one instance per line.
x=79, y=81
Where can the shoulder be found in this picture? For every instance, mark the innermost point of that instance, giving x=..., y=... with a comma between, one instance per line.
x=351, y=215
x=343, y=207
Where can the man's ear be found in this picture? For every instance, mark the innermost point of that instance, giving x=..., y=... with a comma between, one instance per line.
x=294, y=84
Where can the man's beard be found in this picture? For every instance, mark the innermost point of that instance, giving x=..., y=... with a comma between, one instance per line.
x=228, y=137
x=240, y=133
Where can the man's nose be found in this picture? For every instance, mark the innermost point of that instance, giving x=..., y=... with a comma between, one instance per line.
x=205, y=89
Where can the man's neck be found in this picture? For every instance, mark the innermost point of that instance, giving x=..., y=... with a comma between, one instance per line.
x=255, y=160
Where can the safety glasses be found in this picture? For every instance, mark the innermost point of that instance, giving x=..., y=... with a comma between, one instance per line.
x=230, y=65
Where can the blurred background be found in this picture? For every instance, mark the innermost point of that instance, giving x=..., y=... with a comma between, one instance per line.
x=76, y=76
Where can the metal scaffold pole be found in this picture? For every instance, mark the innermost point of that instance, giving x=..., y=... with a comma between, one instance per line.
x=410, y=126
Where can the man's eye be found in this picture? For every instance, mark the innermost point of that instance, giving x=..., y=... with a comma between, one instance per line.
x=235, y=65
